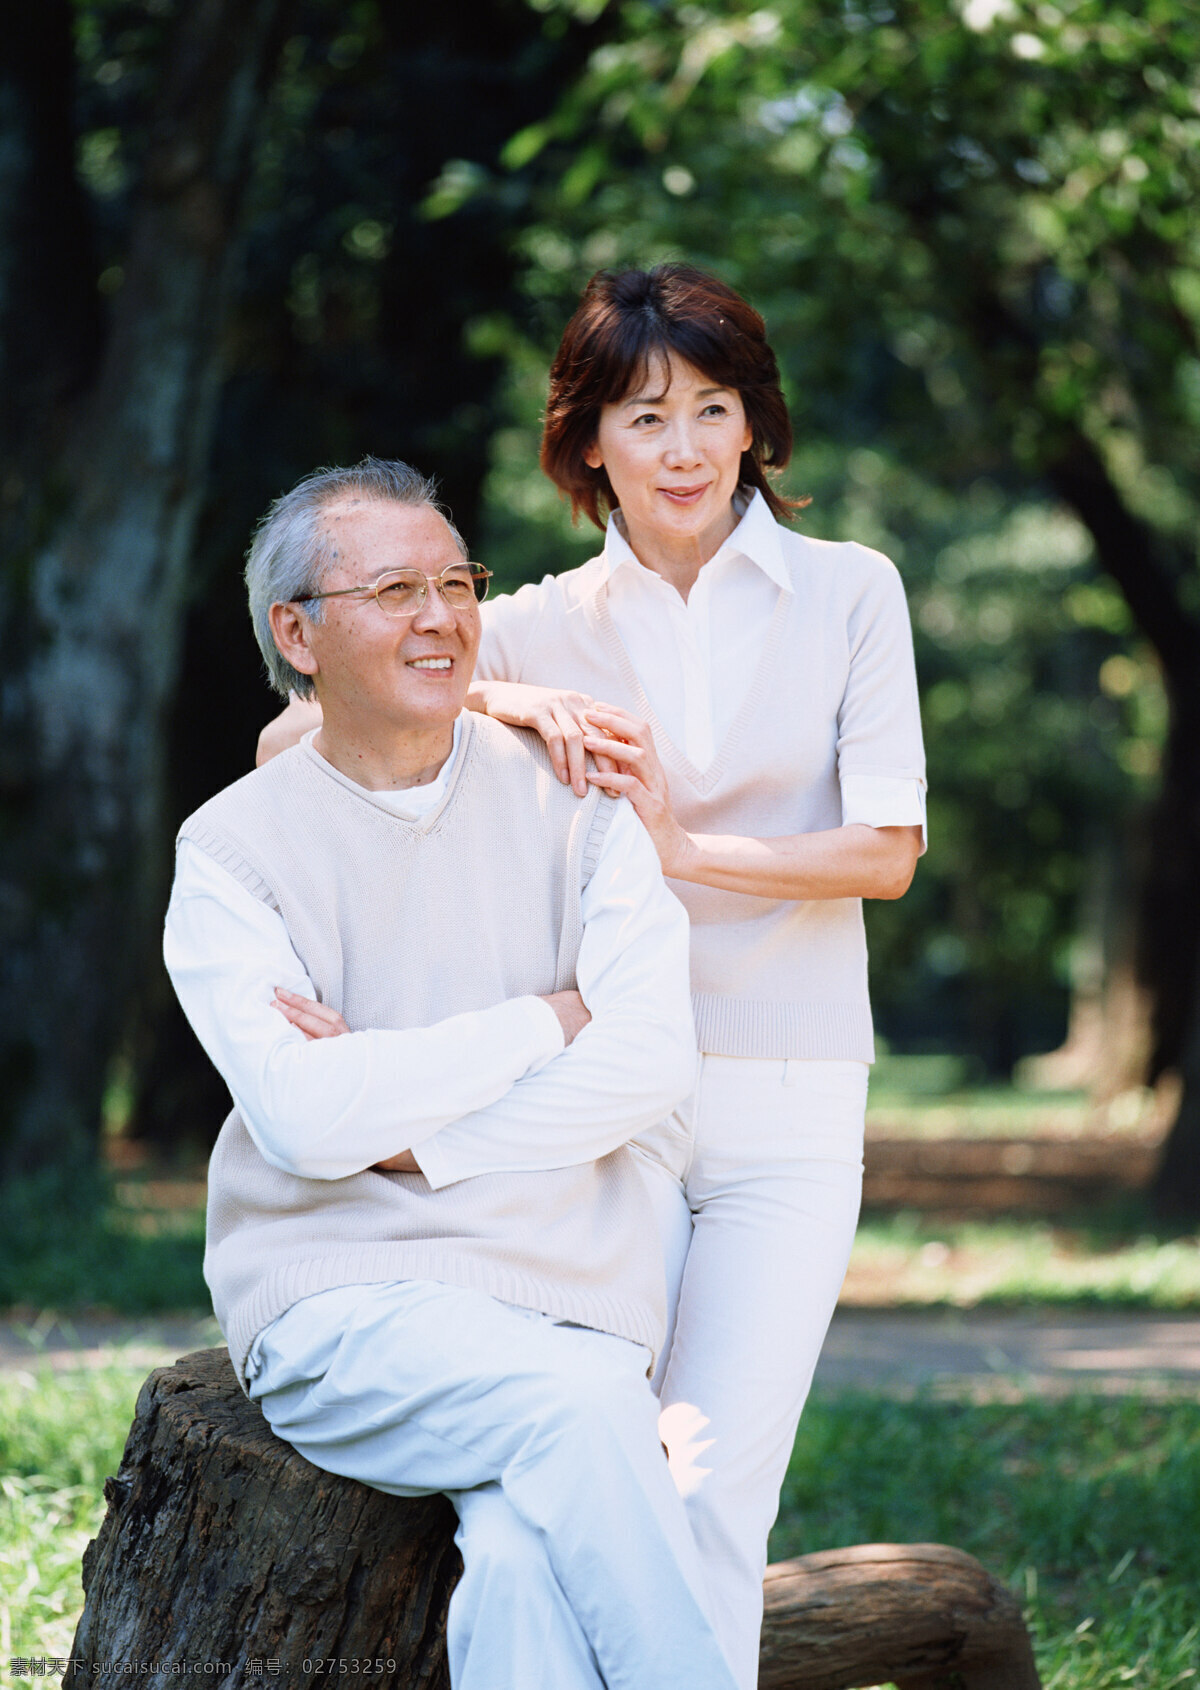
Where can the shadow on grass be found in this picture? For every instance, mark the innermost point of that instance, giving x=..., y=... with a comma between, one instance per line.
x=66, y=1243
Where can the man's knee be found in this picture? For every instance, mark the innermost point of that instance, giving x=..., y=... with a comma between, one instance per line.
x=498, y=1548
x=596, y=1401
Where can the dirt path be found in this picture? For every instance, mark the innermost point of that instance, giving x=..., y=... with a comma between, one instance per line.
x=988, y=1353
x=981, y=1353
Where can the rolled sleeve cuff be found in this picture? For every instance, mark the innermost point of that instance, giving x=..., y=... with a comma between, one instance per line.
x=884, y=801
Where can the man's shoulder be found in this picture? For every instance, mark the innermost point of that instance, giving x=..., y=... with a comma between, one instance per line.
x=275, y=781
x=519, y=761
x=504, y=746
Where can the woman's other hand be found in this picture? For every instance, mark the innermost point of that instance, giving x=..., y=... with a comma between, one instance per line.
x=287, y=729
x=317, y=1021
x=626, y=744
x=560, y=718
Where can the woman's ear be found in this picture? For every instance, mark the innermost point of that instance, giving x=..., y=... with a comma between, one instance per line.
x=593, y=457
x=292, y=633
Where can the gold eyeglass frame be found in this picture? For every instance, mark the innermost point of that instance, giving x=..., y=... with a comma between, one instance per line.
x=480, y=576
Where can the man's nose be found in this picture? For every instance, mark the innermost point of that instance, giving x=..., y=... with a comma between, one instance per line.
x=435, y=613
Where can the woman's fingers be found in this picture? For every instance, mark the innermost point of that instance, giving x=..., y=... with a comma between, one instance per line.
x=622, y=724
x=560, y=721
x=572, y=754
x=315, y=1020
x=617, y=785
x=619, y=753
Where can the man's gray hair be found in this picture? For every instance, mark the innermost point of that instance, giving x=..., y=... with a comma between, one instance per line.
x=291, y=552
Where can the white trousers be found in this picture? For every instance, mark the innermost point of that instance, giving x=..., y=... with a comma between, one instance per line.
x=759, y=1223
x=580, y=1571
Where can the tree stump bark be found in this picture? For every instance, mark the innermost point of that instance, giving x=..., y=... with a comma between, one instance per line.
x=226, y=1555
x=224, y=1549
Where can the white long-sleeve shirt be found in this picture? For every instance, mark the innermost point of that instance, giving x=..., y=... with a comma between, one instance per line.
x=482, y=1092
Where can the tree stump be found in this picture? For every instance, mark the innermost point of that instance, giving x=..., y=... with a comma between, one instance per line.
x=226, y=1555
x=225, y=1549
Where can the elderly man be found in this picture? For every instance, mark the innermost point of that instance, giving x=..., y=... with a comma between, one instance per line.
x=415, y=956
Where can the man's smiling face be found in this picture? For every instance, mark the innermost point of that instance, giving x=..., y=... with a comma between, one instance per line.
x=410, y=673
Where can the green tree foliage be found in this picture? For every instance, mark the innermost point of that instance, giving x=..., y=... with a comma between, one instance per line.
x=216, y=270
x=972, y=233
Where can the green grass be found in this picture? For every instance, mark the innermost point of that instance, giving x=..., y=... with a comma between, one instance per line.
x=1123, y=1262
x=67, y=1242
x=134, y=1245
x=945, y=1096
x=1089, y=1508
x=60, y=1436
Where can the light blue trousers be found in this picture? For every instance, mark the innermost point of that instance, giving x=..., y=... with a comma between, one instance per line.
x=580, y=1571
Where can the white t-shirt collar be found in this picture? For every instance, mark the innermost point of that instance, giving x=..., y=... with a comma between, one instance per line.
x=756, y=537
x=410, y=803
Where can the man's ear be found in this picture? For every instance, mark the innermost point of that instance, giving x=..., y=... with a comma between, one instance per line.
x=292, y=633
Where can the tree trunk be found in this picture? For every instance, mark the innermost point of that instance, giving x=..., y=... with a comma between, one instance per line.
x=1154, y=573
x=101, y=492
x=222, y=1547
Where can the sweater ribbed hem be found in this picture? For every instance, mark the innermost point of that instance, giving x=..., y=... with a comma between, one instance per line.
x=378, y=1263
x=817, y=1031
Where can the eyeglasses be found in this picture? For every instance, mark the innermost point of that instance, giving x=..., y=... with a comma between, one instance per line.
x=402, y=592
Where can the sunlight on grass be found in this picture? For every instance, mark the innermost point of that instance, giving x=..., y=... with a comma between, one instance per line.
x=941, y=1095
x=903, y=1260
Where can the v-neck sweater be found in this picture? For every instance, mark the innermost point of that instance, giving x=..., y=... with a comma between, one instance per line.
x=834, y=693
x=404, y=923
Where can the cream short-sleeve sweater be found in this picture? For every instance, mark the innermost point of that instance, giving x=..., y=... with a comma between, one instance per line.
x=835, y=692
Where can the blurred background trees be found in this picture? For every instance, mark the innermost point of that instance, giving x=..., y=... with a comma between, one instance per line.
x=970, y=230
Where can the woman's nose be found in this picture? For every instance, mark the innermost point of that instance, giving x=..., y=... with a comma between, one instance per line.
x=682, y=448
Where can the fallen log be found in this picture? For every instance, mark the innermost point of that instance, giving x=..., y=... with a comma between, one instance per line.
x=919, y=1615
x=226, y=1555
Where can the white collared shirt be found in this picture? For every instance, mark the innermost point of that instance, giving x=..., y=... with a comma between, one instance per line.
x=697, y=677
x=697, y=658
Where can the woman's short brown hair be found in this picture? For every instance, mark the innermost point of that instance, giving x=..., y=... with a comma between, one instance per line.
x=624, y=319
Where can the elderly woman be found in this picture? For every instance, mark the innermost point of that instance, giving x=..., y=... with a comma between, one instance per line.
x=752, y=692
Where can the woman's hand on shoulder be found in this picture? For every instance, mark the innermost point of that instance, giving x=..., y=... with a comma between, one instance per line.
x=634, y=770
x=558, y=716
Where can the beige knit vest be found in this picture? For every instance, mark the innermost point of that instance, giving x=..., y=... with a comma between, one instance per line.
x=400, y=924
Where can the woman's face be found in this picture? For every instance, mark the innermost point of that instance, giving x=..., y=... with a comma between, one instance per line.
x=673, y=449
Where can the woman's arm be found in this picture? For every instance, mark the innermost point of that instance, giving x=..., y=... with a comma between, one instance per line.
x=843, y=862
x=288, y=728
